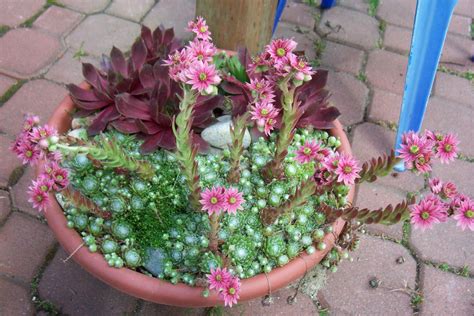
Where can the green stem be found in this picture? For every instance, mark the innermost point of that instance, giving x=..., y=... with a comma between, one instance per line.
x=237, y=132
x=185, y=153
x=213, y=240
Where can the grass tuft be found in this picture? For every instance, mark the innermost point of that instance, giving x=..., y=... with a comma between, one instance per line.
x=10, y=92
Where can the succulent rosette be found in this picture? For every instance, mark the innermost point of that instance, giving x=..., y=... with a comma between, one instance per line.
x=141, y=182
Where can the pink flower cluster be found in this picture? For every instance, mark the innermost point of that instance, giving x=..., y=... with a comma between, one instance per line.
x=444, y=201
x=417, y=150
x=193, y=64
x=219, y=199
x=226, y=284
x=31, y=146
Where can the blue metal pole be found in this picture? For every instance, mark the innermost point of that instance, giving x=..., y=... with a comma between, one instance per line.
x=327, y=4
x=432, y=19
x=280, y=7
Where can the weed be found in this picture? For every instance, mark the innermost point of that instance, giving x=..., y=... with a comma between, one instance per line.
x=373, y=5
x=4, y=29
x=80, y=52
x=362, y=76
x=11, y=91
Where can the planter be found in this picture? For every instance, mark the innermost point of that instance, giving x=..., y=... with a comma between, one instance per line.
x=162, y=292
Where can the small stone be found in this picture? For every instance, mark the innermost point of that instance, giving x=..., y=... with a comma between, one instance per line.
x=374, y=283
x=80, y=133
x=218, y=135
x=154, y=261
x=400, y=260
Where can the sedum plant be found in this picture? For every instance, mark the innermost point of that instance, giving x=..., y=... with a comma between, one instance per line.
x=140, y=184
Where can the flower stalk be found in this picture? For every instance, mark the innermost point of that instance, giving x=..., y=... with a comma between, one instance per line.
x=237, y=132
x=213, y=240
x=185, y=153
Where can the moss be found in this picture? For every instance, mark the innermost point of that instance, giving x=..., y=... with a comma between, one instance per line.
x=362, y=76
x=11, y=91
x=373, y=6
x=4, y=29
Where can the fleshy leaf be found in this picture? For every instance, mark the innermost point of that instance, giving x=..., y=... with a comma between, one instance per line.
x=131, y=107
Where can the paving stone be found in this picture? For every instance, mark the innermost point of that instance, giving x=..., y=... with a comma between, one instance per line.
x=77, y=292
x=448, y=116
x=5, y=207
x=372, y=140
x=446, y=294
x=130, y=9
x=385, y=106
x=348, y=291
x=460, y=172
x=19, y=193
x=386, y=70
x=302, y=306
x=38, y=97
x=5, y=84
x=349, y=95
x=86, y=6
x=100, y=32
x=166, y=13
x=356, y=28
x=444, y=243
x=460, y=25
x=299, y=14
x=454, y=88
x=375, y=196
x=464, y=7
x=397, y=38
x=361, y=5
x=15, y=12
x=58, y=20
x=68, y=69
x=165, y=310
x=342, y=57
x=16, y=46
x=305, y=40
x=398, y=12
x=29, y=241
x=14, y=299
x=457, y=51
x=9, y=160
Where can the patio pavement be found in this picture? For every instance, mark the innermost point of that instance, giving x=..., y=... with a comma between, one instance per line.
x=430, y=273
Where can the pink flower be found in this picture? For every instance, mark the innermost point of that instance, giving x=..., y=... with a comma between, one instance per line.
x=233, y=200
x=449, y=190
x=43, y=183
x=415, y=148
x=446, y=150
x=230, y=292
x=60, y=177
x=38, y=198
x=202, y=76
x=280, y=48
x=28, y=152
x=262, y=90
x=213, y=200
x=436, y=185
x=307, y=152
x=423, y=163
x=458, y=200
x=200, y=28
x=42, y=133
x=428, y=212
x=347, y=170
x=269, y=126
x=218, y=278
x=261, y=112
x=259, y=63
x=465, y=215
x=201, y=50
x=331, y=162
x=30, y=122
x=301, y=66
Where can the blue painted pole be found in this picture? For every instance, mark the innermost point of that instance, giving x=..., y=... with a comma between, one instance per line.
x=432, y=19
x=280, y=7
x=327, y=4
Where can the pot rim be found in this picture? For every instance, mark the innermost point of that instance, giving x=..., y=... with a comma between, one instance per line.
x=161, y=291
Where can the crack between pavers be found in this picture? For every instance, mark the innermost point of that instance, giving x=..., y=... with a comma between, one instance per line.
x=448, y=268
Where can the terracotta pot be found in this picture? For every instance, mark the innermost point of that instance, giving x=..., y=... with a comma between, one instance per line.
x=163, y=292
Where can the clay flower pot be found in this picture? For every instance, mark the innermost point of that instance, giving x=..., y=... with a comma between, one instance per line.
x=163, y=292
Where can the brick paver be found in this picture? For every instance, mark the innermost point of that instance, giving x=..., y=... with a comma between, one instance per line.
x=166, y=13
x=130, y=9
x=29, y=241
x=349, y=95
x=86, y=6
x=14, y=299
x=350, y=26
x=5, y=84
x=341, y=57
x=352, y=49
x=15, y=12
x=446, y=294
x=38, y=97
x=58, y=20
x=348, y=290
x=16, y=47
x=112, y=31
x=88, y=297
x=5, y=206
x=9, y=161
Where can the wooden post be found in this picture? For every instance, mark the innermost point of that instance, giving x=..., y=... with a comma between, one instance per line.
x=239, y=23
